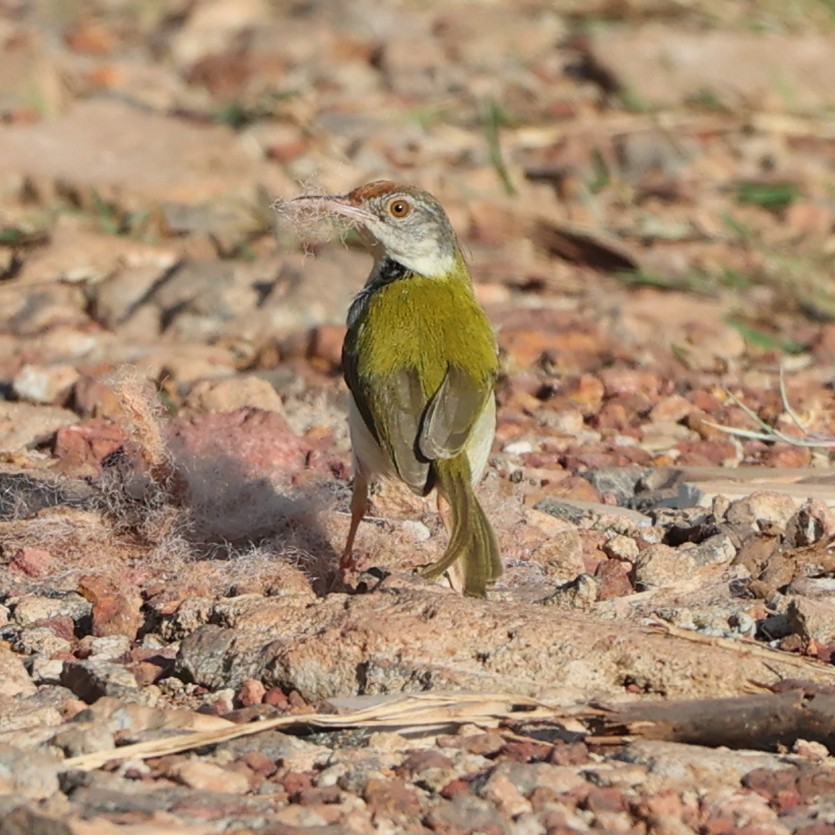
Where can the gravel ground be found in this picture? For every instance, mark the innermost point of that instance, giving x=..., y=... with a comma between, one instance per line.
x=645, y=194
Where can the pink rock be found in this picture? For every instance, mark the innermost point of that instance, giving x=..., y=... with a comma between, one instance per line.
x=85, y=446
x=614, y=577
x=251, y=692
x=34, y=562
x=199, y=774
x=116, y=610
x=257, y=442
x=673, y=408
x=626, y=381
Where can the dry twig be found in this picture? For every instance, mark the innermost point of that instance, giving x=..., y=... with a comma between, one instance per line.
x=807, y=666
x=771, y=433
x=425, y=710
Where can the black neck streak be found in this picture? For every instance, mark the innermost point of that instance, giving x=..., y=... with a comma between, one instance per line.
x=386, y=272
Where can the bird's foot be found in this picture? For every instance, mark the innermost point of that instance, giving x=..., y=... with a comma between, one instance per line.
x=347, y=563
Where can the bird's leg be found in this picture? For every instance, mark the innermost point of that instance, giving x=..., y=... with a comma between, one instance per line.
x=359, y=504
x=455, y=573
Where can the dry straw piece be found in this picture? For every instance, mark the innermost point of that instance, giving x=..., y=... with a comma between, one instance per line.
x=402, y=713
x=771, y=433
x=309, y=217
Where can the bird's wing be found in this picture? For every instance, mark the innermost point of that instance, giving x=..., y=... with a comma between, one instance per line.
x=392, y=409
x=398, y=406
x=353, y=378
x=451, y=414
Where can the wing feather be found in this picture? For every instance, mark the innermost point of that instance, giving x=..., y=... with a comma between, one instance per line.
x=452, y=413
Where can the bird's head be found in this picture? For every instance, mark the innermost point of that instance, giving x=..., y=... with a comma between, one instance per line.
x=403, y=222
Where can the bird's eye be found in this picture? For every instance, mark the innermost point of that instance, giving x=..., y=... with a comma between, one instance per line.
x=399, y=208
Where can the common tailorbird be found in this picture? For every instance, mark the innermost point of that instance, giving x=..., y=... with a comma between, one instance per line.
x=420, y=361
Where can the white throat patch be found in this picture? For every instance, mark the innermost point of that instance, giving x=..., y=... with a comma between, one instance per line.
x=430, y=264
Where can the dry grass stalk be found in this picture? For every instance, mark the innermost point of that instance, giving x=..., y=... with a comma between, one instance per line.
x=143, y=416
x=806, y=666
x=425, y=710
x=771, y=433
x=309, y=218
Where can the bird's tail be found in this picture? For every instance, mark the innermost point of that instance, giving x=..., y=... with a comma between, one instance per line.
x=471, y=538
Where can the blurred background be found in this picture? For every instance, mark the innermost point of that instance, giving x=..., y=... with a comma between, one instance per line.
x=644, y=189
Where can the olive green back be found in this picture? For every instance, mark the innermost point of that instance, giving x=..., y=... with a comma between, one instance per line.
x=420, y=359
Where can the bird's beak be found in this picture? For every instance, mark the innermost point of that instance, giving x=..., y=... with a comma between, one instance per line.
x=336, y=204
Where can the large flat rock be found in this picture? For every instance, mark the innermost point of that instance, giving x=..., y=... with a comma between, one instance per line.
x=409, y=639
x=664, y=65
x=122, y=151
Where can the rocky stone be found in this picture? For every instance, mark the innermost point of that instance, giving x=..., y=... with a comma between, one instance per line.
x=27, y=721
x=619, y=482
x=207, y=776
x=261, y=441
x=560, y=553
x=189, y=363
x=80, y=255
x=116, y=611
x=325, y=348
x=14, y=680
x=715, y=550
x=505, y=795
x=110, y=647
x=673, y=409
x=815, y=587
x=46, y=670
x=465, y=813
x=119, y=300
x=55, y=310
x=400, y=637
x=393, y=800
x=812, y=619
x=200, y=298
x=231, y=394
x=251, y=692
x=28, y=774
x=293, y=753
x=42, y=640
x=84, y=738
x=237, y=467
x=595, y=515
x=23, y=494
x=81, y=449
x=660, y=565
x=621, y=547
x=723, y=56
x=580, y=593
x=23, y=425
x=33, y=562
x=31, y=609
x=25, y=819
x=185, y=168
x=763, y=510
x=813, y=521
x=203, y=657
x=613, y=580
x=93, y=678
x=45, y=384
